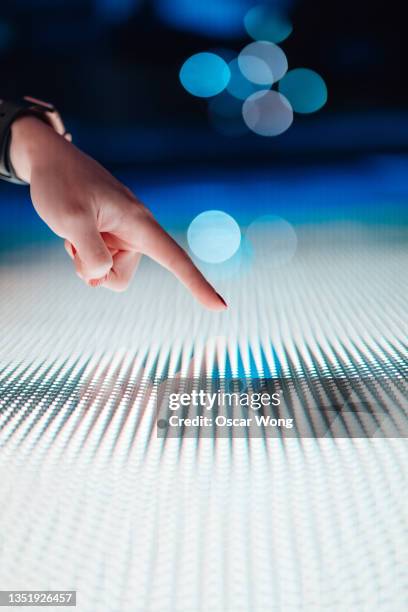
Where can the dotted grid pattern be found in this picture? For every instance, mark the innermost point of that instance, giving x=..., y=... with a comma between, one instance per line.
x=92, y=500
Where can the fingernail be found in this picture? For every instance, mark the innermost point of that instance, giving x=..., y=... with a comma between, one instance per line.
x=222, y=300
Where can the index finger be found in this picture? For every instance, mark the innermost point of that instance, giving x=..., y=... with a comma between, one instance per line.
x=157, y=244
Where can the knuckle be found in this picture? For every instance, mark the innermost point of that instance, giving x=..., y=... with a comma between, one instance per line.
x=101, y=256
x=139, y=210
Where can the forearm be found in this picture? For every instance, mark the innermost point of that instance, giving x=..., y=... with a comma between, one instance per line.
x=29, y=137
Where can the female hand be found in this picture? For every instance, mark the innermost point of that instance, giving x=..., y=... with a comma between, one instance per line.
x=105, y=227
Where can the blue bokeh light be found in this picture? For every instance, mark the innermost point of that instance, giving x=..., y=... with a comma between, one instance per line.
x=217, y=18
x=205, y=75
x=238, y=85
x=305, y=90
x=214, y=236
x=267, y=23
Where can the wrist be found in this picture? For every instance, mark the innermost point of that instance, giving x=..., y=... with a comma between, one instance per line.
x=29, y=136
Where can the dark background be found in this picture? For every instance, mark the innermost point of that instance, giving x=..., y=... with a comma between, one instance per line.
x=112, y=67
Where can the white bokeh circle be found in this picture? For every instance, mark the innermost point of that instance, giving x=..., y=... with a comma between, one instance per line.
x=267, y=113
x=214, y=236
x=263, y=62
x=274, y=241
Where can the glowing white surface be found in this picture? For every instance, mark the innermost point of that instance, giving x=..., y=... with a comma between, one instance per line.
x=92, y=500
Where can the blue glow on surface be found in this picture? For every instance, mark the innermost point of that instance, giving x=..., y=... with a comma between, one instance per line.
x=208, y=17
x=238, y=85
x=372, y=191
x=241, y=263
x=213, y=236
x=305, y=90
x=204, y=75
x=267, y=23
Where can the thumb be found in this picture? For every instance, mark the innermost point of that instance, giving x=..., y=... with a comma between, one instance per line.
x=92, y=257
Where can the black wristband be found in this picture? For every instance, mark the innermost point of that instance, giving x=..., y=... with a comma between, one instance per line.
x=9, y=112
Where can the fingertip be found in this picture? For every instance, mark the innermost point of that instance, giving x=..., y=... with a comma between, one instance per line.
x=219, y=306
x=213, y=301
x=221, y=299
